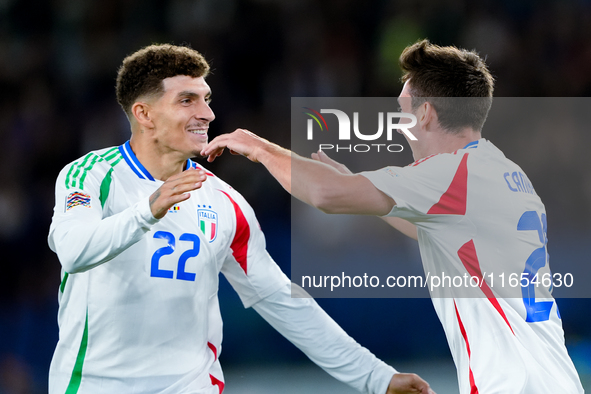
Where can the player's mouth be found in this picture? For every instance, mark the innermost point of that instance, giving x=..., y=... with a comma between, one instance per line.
x=198, y=130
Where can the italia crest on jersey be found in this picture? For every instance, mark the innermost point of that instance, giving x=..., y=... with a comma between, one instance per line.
x=208, y=223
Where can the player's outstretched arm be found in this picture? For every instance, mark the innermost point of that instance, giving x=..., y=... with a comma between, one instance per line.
x=306, y=325
x=310, y=181
x=260, y=283
x=404, y=226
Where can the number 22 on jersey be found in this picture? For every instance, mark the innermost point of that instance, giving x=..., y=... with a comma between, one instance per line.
x=181, y=274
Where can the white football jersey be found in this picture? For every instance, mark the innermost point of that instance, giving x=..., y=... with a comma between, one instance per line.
x=478, y=216
x=138, y=306
x=162, y=291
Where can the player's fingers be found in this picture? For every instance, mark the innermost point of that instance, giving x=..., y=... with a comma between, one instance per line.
x=422, y=386
x=323, y=157
x=315, y=156
x=405, y=383
x=215, y=146
x=161, y=203
x=191, y=177
x=211, y=157
x=212, y=148
x=185, y=187
x=239, y=139
x=212, y=154
x=191, y=172
x=176, y=198
x=186, y=183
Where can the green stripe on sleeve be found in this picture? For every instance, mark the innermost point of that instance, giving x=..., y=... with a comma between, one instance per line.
x=106, y=187
x=63, y=284
x=70, y=173
x=76, y=378
x=113, y=158
x=80, y=167
x=94, y=160
x=85, y=171
x=111, y=153
x=114, y=163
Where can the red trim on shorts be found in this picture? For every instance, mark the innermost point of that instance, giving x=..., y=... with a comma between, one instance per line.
x=453, y=201
x=467, y=254
x=239, y=244
x=216, y=382
x=473, y=388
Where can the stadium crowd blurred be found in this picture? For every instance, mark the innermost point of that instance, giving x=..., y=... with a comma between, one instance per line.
x=58, y=62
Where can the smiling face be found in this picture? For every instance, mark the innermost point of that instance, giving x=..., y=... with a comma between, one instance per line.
x=181, y=116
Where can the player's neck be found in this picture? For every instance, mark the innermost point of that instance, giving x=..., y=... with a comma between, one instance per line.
x=160, y=164
x=445, y=142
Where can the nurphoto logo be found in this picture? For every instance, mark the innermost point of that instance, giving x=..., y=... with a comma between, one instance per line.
x=392, y=120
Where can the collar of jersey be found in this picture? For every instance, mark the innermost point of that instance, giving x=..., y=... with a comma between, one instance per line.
x=471, y=145
x=137, y=167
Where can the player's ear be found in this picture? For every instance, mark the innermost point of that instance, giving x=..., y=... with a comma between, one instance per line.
x=141, y=113
x=427, y=115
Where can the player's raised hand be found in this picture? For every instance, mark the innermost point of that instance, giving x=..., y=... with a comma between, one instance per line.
x=323, y=157
x=174, y=190
x=408, y=383
x=240, y=142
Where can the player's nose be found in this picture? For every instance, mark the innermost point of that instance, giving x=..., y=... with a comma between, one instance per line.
x=205, y=112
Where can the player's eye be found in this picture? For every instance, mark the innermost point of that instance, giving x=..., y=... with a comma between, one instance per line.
x=185, y=101
x=208, y=100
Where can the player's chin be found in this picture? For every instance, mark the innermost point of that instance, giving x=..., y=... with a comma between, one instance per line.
x=196, y=151
x=197, y=146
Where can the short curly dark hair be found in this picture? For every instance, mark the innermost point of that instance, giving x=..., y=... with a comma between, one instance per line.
x=437, y=74
x=142, y=72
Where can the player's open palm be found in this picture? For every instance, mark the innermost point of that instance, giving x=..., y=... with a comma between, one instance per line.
x=174, y=190
x=408, y=383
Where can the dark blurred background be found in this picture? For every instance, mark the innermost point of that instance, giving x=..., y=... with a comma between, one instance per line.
x=58, y=62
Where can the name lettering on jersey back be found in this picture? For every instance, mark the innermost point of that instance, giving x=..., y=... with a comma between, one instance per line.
x=517, y=181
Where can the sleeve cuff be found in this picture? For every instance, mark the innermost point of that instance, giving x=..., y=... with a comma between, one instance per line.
x=145, y=213
x=380, y=378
